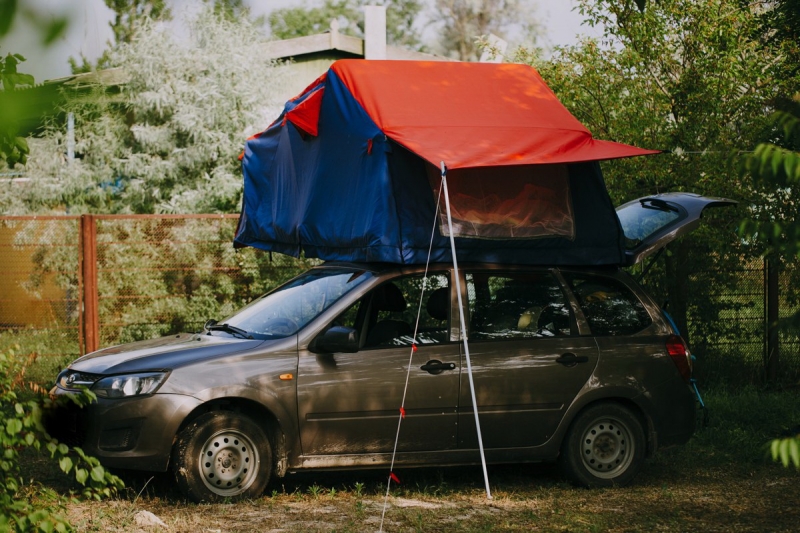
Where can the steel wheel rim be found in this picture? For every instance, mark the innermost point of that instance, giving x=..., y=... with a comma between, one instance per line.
x=607, y=448
x=228, y=463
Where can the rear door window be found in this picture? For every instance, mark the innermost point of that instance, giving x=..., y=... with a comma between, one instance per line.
x=610, y=307
x=516, y=305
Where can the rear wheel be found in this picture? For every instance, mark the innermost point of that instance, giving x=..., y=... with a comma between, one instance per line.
x=222, y=455
x=604, y=447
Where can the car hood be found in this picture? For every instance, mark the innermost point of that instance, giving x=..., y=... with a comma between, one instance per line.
x=166, y=353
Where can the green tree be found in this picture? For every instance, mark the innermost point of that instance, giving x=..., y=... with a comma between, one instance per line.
x=689, y=78
x=401, y=17
x=776, y=167
x=13, y=148
x=129, y=16
x=461, y=23
x=780, y=31
x=170, y=140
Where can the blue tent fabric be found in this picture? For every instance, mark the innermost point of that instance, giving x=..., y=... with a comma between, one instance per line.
x=351, y=193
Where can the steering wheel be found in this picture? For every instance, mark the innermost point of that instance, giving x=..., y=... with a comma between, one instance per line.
x=280, y=326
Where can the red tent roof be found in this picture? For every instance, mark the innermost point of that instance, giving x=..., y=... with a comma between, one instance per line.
x=473, y=114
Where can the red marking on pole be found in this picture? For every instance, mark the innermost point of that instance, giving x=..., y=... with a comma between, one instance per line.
x=414, y=347
x=402, y=412
x=394, y=478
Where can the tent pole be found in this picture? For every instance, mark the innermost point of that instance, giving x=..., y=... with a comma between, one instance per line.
x=464, y=330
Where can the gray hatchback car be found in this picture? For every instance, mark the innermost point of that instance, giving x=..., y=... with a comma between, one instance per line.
x=576, y=365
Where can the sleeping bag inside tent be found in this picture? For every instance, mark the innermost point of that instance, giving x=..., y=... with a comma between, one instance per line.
x=350, y=171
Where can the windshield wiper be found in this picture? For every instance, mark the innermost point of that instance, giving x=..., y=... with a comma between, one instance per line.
x=212, y=325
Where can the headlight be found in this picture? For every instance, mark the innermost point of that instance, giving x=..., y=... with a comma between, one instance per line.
x=129, y=385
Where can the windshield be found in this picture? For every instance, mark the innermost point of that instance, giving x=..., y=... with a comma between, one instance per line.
x=646, y=217
x=288, y=308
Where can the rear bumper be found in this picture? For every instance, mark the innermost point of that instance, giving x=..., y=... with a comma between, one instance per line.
x=676, y=413
x=132, y=433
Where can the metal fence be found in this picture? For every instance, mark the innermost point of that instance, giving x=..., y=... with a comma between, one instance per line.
x=72, y=284
x=39, y=301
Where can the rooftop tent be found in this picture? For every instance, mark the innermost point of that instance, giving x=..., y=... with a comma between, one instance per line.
x=349, y=171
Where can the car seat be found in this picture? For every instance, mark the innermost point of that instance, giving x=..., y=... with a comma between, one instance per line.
x=438, y=305
x=390, y=299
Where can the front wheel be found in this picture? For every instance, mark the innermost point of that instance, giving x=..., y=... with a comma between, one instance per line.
x=604, y=447
x=222, y=455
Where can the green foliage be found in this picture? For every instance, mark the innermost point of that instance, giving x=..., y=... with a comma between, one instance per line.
x=49, y=27
x=13, y=148
x=131, y=15
x=191, y=285
x=9, y=76
x=775, y=169
x=781, y=28
x=692, y=79
x=461, y=24
x=401, y=15
x=786, y=450
x=21, y=428
x=170, y=141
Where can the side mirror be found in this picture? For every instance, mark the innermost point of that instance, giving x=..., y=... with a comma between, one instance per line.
x=337, y=339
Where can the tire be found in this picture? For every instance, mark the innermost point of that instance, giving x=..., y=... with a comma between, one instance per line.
x=222, y=455
x=604, y=447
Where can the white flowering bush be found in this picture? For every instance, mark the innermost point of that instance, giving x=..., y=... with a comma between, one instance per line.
x=168, y=138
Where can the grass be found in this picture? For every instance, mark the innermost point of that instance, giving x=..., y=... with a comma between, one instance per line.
x=721, y=480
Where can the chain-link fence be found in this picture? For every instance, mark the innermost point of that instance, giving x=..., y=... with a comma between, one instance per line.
x=730, y=346
x=729, y=330
x=73, y=284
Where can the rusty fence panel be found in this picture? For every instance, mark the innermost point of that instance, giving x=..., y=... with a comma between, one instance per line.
x=73, y=284
x=40, y=285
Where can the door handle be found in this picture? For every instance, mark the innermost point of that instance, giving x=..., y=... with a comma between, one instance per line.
x=434, y=366
x=570, y=359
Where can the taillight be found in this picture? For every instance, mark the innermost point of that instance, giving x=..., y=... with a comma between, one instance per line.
x=680, y=355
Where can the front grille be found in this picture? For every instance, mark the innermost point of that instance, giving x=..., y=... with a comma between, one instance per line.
x=74, y=380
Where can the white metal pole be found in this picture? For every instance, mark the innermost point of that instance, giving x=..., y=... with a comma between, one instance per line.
x=464, y=330
x=70, y=137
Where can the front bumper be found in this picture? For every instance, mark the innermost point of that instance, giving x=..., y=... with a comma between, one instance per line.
x=131, y=433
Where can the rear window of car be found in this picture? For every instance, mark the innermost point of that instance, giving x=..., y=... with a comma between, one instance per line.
x=645, y=218
x=610, y=306
x=516, y=305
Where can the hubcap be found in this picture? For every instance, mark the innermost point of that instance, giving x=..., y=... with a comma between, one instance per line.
x=228, y=463
x=607, y=448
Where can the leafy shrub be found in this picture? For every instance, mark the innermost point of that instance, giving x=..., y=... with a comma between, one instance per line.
x=21, y=428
